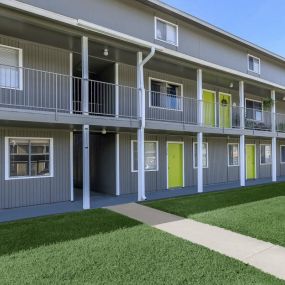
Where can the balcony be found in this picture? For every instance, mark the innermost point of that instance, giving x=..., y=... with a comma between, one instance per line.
x=36, y=91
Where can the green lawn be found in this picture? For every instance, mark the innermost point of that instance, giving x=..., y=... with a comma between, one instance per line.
x=101, y=247
x=256, y=211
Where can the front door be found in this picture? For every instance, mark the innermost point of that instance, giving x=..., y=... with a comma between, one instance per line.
x=175, y=165
x=209, y=108
x=225, y=110
x=250, y=161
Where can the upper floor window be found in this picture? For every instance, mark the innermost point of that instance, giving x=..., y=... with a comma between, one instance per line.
x=28, y=157
x=166, y=95
x=10, y=67
x=253, y=110
x=166, y=32
x=253, y=64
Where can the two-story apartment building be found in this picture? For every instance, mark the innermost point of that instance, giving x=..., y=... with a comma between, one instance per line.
x=127, y=96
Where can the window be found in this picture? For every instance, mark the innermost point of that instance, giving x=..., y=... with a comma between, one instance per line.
x=28, y=157
x=10, y=67
x=233, y=154
x=253, y=64
x=165, y=95
x=150, y=156
x=254, y=110
x=205, y=155
x=166, y=32
x=282, y=154
x=265, y=154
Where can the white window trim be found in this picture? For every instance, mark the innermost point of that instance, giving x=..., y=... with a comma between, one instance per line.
x=259, y=64
x=169, y=82
x=207, y=147
x=265, y=144
x=229, y=156
x=281, y=162
x=132, y=156
x=169, y=23
x=20, y=68
x=254, y=100
x=7, y=159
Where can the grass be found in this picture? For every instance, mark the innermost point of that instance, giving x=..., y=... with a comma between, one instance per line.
x=255, y=211
x=101, y=247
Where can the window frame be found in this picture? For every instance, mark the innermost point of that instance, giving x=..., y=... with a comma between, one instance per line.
x=150, y=79
x=229, y=155
x=20, y=59
x=132, y=156
x=168, y=23
x=7, y=158
x=265, y=144
x=254, y=100
x=194, y=153
x=259, y=64
x=281, y=162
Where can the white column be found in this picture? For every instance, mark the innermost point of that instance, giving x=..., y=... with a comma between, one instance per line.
x=242, y=137
x=200, y=96
x=118, y=164
x=274, y=139
x=85, y=75
x=71, y=166
x=117, y=110
x=200, y=162
x=242, y=160
x=86, y=167
x=140, y=132
x=200, y=135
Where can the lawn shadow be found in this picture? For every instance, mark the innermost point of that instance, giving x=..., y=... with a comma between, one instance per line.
x=187, y=206
x=32, y=233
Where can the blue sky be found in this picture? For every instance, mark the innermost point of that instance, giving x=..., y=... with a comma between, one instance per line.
x=261, y=22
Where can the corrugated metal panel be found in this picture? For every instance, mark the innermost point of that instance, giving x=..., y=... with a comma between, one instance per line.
x=25, y=192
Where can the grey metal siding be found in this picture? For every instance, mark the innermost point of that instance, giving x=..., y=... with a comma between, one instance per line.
x=136, y=19
x=26, y=192
x=40, y=89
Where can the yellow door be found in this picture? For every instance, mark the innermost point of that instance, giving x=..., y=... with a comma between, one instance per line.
x=225, y=110
x=175, y=165
x=250, y=161
x=209, y=111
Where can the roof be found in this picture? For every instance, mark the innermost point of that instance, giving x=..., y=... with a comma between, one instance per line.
x=186, y=16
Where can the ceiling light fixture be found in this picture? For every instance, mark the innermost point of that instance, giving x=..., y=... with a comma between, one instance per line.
x=104, y=131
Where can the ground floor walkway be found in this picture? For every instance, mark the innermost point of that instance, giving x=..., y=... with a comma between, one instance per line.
x=265, y=256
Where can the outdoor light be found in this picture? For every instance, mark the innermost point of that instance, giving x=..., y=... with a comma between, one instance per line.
x=231, y=85
x=106, y=52
x=104, y=132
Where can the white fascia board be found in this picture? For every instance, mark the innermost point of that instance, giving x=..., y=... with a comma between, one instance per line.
x=130, y=39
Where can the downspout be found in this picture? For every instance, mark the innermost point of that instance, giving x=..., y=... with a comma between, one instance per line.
x=141, y=175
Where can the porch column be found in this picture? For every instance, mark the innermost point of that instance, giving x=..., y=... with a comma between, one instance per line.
x=86, y=168
x=118, y=190
x=274, y=139
x=200, y=134
x=140, y=132
x=85, y=76
x=71, y=166
x=242, y=137
x=117, y=102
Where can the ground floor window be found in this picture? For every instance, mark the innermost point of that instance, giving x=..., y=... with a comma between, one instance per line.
x=265, y=154
x=28, y=157
x=233, y=154
x=205, y=155
x=282, y=153
x=150, y=156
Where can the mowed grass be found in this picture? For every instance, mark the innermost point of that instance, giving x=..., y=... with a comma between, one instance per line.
x=254, y=211
x=101, y=247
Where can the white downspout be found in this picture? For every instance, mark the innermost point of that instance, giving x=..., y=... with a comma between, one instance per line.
x=141, y=112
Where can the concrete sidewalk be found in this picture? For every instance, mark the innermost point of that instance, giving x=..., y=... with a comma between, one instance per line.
x=265, y=256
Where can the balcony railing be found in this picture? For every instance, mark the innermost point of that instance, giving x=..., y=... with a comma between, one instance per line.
x=41, y=91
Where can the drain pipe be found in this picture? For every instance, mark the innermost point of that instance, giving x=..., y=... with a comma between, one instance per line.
x=141, y=105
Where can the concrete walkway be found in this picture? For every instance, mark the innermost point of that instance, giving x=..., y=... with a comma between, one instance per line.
x=265, y=256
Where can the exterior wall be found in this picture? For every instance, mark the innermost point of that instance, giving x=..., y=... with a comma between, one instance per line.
x=40, y=89
x=280, y=166
x=193, y=40
x=27, y=192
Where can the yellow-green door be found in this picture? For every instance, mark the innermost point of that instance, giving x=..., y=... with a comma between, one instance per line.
x=209, y=113
x=250, y=161
x=175, y=165
x=225, y=110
